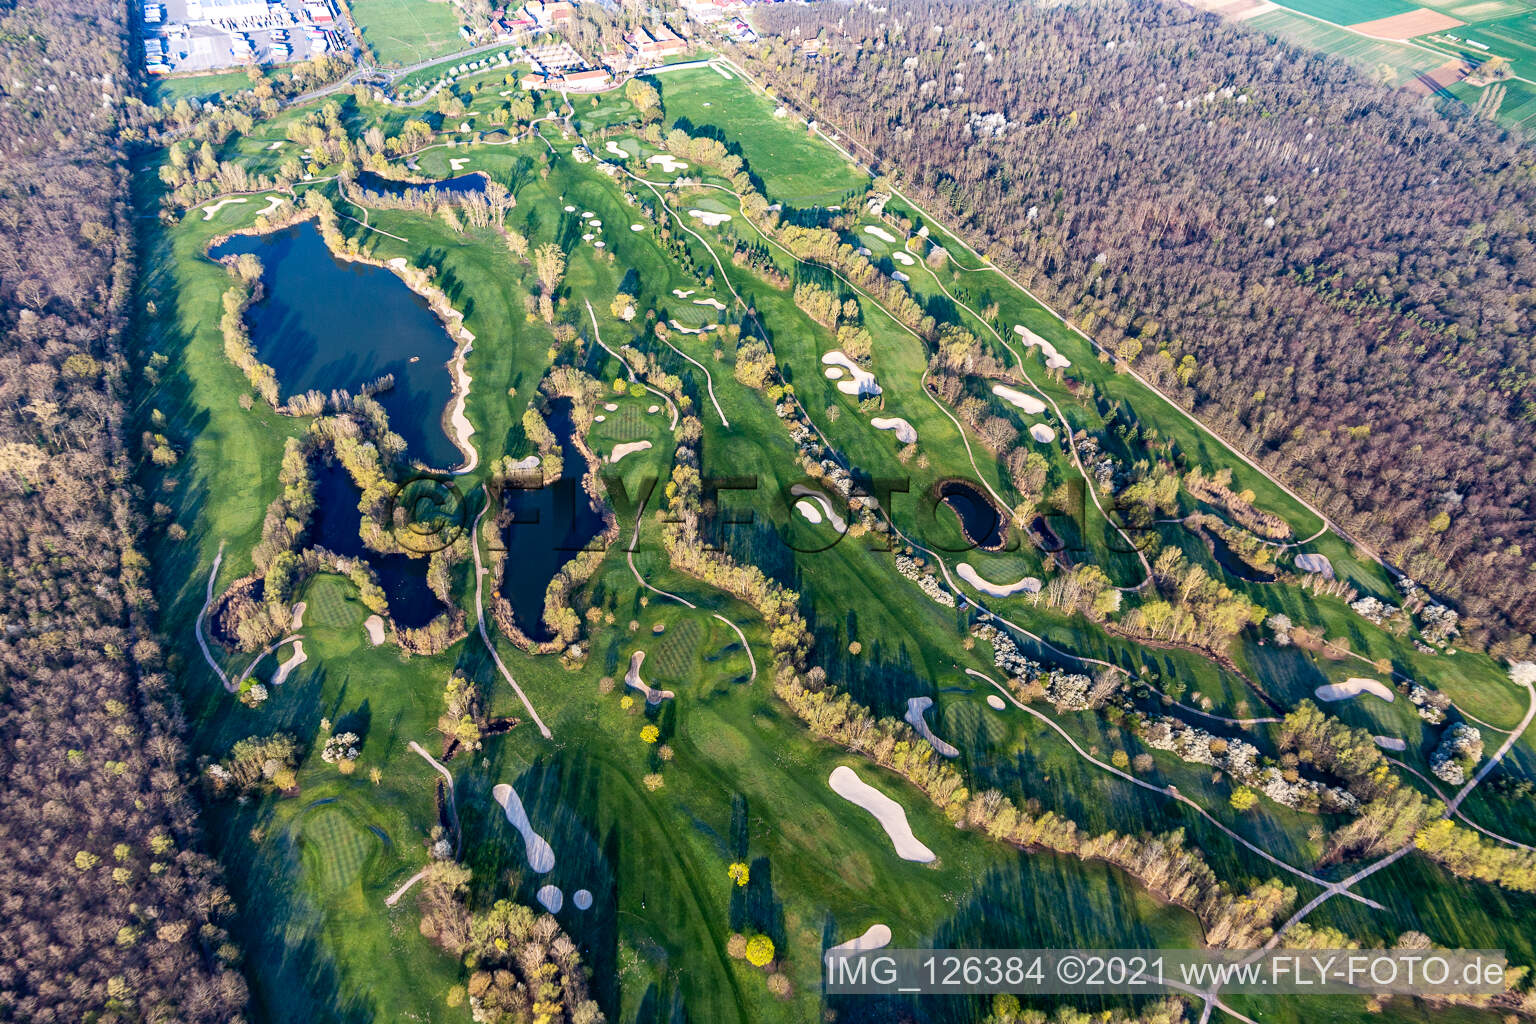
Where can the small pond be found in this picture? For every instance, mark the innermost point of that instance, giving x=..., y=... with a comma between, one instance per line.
x=326, y=324
x=335, y=526
x=549, y=527
x=1234, y=565
x=980, y=520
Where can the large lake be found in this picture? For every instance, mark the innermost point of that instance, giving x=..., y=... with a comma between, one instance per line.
x=326, y=323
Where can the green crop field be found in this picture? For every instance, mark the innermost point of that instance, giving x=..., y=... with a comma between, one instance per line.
x=408, y=31
x=646, y=807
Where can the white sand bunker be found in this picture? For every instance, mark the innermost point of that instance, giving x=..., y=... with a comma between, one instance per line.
x=685, y=329
x=599, y=244
x=802, y=491
x=834, y=372
x=1312, y=562
x=1053, y=360
x=714, y=220
x=588, y=237
x=683, y=294
x=905, y=432
x=273, y=202
x=876, y=936
x=668, y=163
x=1390, y=743
x=375, y=627
x=458, y=163
x=610, y=407
x=627, y=448
x=525, y=463
x=880, y=233
x=213, y=208
x=1027, y=585
x=632, y=678
x=1042, y=433
x=914, y=716
x=541, y=856
x=570, y=209
x=599, y=418
x=582, y=898
x=637, y=227
x=995, y=702
x=905, y=259
x=653, y=410
x=297, y=623
x=616, y=149
x=1353, y=688
x=279, y=144
x=807, y=509
x=587, y=215
x=1029, y=403
x=716, y=303
x=551, y=898
x=863, y=383
x=897, y=275
x=890, y=814
x=297, y=658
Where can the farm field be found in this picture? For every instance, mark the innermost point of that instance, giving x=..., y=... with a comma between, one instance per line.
x=729, y=370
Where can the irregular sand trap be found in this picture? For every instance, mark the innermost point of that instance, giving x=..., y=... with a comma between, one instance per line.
x=632, y=678
x=710, y=302
x=905, y=259
x=1353, y=688
x=528, y=462
x=616, y=149
x=995, y=702
x=279, y=144
x=599, y=418
x=1390, y=743
x=587, y=215
x=213, y=208
x=610, y=407
x=897, y=275
x=596, y=224
x=1312, y=562
x=297, y=658
x=1029, y=403
x=905, y=432
x=599, y=244
x=570, y=209
x=551, y=898
x=915, y=708
x=588, y=237
x=880, y=233
x=834, y=372
x=1028, y=585
x=582, y=898
x=637, y=227
x=273, y=202
x=541, y=856
x=1042, y=433
x=808, y=510
x=375, y=627
x=627, y=448
x=1053, y=360
x=876, y=936
x=682, y=329
x=714, y=220
x=863, y=382
x=668, y=163
x=458, y=163
x=890, y=814
x=653, y=410
x=298, y=617
x=802, y=491
x=683, y=294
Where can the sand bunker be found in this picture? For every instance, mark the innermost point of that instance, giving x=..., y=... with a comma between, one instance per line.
x=588, y=237
x=582, y=898
x=375, y=627
x=527, y=462
x=627, y=448
x=297, y=623
x=587, y=215
x=876, y=936
x=1042, y=433
x=551, y=898
x=1353, y=688
x=616, y=149
x=599, y=244
x=1053, y=360
x=905, y=259
x=297, y=658
x=1390, y=743
x=541, y=856
x=685, y=329
x=995, y=702
x=914, y=716
x=905, y=432
x=890, y=814
x=279, y=144
x=1319, y=564
x=632, y=678
x=273, y=202
x=834, y=372
x=1027, y=585
x=880, y=233
x=458, y=163
x=808, y=510
x=610, y=407
x=1029, y=403
x=863, y=383
x=714, y=220
x=668, y=163
x=213, y=208
x=653, y=410
x=683, y=294
x=716, y=303
x=897, y=275
x=802, y=491
x=637, y=227
x=570, y=209
x=599, y=418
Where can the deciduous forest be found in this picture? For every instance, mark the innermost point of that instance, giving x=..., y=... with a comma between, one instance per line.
x=1335, y=275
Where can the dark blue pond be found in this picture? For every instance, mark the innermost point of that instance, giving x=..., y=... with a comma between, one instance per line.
x=460, y=185
x=326, y=324
x=549, y=527
x=979, y=517
x=335, y=526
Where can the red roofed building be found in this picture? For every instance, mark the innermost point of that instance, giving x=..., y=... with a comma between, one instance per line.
x=656, y=44
x=593, y=80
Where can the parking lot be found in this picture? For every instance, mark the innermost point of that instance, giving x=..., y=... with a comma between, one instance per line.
x=207, y=35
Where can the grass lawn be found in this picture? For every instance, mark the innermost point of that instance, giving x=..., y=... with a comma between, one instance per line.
x=408, y=31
